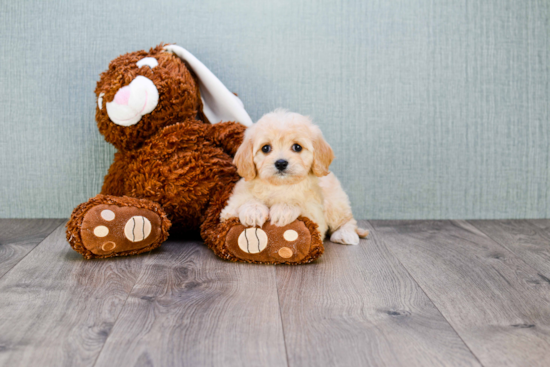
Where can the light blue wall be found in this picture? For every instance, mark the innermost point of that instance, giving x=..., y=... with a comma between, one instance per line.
x=435, y=108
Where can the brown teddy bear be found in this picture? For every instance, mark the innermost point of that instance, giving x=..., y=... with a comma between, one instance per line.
x=173, y=169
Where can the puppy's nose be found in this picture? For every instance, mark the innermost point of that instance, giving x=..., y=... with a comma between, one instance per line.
x=281, y=164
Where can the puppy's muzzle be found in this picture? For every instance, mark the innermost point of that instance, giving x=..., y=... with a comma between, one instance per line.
x=281, y=164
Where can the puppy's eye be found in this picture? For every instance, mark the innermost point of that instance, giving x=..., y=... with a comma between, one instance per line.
x=266, y=148
x=297, y=148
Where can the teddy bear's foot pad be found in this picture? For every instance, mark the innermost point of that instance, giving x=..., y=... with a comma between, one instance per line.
x=110, y=229
x=270, y=244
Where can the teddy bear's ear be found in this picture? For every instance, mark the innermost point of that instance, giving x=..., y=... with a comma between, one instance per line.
x=219, y=104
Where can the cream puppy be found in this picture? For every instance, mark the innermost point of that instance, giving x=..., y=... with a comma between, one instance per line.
x=284, y=162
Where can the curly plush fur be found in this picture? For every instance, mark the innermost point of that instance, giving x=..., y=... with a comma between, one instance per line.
x=180, y=168
x=173, y=161
x=179, y=96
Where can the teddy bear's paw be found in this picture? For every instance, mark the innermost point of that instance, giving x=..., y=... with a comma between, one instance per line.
x=270, y=243
x=108, y=230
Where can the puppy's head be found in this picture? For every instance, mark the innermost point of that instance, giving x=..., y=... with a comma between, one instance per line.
x=283, y=148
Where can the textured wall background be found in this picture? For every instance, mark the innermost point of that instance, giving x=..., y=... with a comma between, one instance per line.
x=435, y=108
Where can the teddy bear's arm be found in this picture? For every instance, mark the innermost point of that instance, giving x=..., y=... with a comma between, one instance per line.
x=228, y=135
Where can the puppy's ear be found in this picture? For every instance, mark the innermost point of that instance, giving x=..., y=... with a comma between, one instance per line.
x=322, y=155
x=244, y=159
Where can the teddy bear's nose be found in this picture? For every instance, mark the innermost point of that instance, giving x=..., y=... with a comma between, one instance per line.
x=133, y=101
x=122, y=96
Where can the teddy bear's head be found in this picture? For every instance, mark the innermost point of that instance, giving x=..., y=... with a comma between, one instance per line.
x=142, y=92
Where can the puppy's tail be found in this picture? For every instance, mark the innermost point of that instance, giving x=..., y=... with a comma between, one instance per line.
x=363, y=233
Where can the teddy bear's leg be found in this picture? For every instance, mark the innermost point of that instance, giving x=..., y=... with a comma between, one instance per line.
x=297, y=243
x=107, y=226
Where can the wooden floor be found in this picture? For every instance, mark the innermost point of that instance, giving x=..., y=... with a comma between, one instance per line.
x=416, y=293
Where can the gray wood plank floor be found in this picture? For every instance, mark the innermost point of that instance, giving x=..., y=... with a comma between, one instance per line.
x=358, y=306
x=492, y=298
x=525, y=239
x=189, y=308
x=19, y=236
x=416, y=293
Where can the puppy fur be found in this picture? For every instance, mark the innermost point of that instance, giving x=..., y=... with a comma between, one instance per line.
x=305, y=187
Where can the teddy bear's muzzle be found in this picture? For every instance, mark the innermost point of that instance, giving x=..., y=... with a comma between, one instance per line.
x=133, y=101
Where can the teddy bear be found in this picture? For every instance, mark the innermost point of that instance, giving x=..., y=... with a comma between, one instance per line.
x=176, y=128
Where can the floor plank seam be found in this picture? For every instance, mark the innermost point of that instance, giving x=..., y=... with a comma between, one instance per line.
x=38, y=244
x=118, y=315
x=501, y=245
x=381, y=242
x=281, y=316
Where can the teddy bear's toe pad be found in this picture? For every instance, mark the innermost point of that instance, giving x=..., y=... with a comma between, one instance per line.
x=270, y=244
x=108, y=229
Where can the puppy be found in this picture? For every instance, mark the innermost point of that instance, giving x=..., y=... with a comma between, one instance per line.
x=284, y=162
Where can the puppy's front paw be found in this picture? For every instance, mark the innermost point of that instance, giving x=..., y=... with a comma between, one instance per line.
x=227, y=213
x=283, y=214
x=253, y=215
